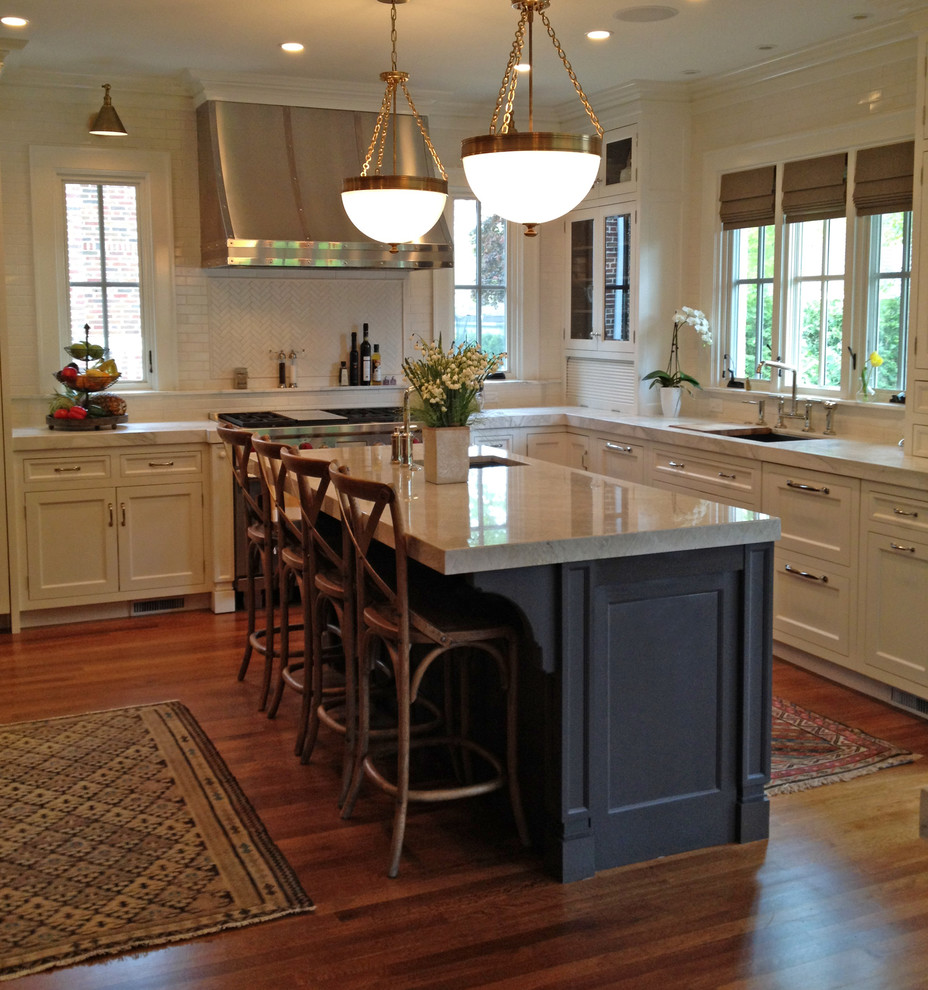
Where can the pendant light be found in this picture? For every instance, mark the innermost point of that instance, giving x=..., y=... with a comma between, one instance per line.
x=531, y=176
x=393, y=208
x=107, y=122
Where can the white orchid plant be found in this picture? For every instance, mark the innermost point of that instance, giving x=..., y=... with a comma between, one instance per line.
x=672, y=376
x=448, y=382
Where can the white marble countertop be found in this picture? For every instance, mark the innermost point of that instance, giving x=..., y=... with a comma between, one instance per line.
x=125, y=434
x=540, y=513
x=886, y=463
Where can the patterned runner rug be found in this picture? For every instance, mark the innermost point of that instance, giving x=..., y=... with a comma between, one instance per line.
x=810, y=750
x=125, y=829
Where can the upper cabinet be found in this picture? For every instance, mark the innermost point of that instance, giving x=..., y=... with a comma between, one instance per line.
x=618, y=171
x=601, y=299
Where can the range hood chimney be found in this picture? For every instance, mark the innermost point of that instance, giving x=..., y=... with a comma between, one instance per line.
x=270, y=189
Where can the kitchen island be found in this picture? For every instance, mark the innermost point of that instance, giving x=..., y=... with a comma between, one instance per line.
x=645, y=685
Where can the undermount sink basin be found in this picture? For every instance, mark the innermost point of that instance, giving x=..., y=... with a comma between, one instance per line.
x=494, y=460
x=759, y=434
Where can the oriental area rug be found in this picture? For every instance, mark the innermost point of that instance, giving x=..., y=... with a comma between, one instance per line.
x=122, y=830
x=810, y=750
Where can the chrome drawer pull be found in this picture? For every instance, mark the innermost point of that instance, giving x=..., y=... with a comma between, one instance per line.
x=904, y=512
x=731, y=477
x=899, y=546
x=62, y=470
x=808, y=488
x=805, y=574
x=618, y=447
x=674, y=464
x=161, y=464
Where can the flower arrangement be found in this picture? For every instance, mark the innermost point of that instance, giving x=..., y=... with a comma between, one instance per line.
x=874, y=361
x=448, y=382
x=673, y=377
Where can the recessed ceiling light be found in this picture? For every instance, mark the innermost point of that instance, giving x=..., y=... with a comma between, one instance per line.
x=860, y=17
x=292, y=46
x=598, y=35
x=641, y=15
x=691, y=72
x=14, y=22
x=766, y=48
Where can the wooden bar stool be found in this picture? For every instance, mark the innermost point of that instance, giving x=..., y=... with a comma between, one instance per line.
x=288, y=567
x=415, y=631
x=325, y=576
x=259, y=554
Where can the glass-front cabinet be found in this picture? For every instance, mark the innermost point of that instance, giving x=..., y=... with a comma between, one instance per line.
x=602, y=243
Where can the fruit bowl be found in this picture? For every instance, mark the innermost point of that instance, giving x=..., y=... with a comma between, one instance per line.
x=83, y=382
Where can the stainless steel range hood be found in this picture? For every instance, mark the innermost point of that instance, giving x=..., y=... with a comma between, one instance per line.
x=270, y=189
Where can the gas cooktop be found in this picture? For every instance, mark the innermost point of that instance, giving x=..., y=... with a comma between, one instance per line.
x=264, y=420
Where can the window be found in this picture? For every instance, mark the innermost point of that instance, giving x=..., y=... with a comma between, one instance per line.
x=820, y=285
x=480, y=283
x=890, y=237
x=814, y=337
x=752, y=296
x=104, y=255
x=104, y=276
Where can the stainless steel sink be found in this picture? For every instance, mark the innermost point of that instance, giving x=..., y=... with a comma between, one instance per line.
x=494, y=460
x=759, y=434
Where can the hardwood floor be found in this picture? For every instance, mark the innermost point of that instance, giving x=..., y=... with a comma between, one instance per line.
x=837, y=897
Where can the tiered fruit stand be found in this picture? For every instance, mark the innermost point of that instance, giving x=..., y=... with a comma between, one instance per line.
x=82, y=389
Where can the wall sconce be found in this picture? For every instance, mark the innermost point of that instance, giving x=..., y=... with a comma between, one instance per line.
x=107, y=122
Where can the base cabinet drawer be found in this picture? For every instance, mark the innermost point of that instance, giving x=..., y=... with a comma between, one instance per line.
x=818, y=512
x=813, y=602
x=725, y=479
x=619, y=458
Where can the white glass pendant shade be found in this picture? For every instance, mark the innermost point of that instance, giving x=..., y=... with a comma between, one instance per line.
x=531, y=177
x=394, y=209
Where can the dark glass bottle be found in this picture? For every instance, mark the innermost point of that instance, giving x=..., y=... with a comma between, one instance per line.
x=354, y=362
x=365, y=358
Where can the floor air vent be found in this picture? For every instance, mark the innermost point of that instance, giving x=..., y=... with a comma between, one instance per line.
x=909, y=701
x=157, y=605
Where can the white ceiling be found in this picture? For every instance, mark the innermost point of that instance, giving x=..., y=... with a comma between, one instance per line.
x=456, y=48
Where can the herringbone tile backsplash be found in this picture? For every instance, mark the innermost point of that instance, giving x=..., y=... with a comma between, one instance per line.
x=252, y=319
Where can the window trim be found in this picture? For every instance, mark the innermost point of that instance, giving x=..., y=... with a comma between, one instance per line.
x=150, y=171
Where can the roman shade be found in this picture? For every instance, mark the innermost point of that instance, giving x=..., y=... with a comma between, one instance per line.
x=883, y=179
x=747, y=198
x=815, y=188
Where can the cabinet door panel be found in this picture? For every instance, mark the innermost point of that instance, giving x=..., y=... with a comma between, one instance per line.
x=71, y=544
x=896, y=617
x=161, y=537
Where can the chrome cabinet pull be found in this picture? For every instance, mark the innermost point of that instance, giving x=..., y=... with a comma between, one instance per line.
x=122, y=513
x=63, y=470
x=905, y=512
x=618, y=447
x=808, y=488
x=899, y=546
x=154, y=464
x=805, y=574
x=112, y=518
x=674, y=464
x=731, y=477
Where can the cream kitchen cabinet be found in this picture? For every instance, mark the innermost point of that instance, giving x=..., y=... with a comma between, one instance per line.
x=601, y=299
x=732, y=480
x=508, y=440
x=559, y=446
x=894, y=564
x=815, y=585
x=618, y=457
x=108, y=526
